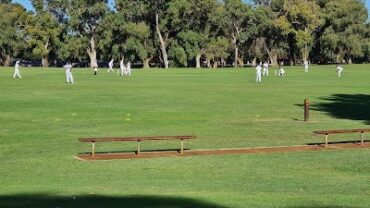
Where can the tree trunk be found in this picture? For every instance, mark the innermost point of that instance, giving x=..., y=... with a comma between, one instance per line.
x=91, y=51
x=254, y=61
x=45, y=61
x=146, y=63
x=162, y=42
x=197, y=58
x=305, y=54
x=349, y=60
x=236, y=59
x=7, y=60
x=215, y=64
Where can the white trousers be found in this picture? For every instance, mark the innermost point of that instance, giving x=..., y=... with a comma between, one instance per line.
x=110, y=69
x=265, y=71
x=306, y=69
x=258, y=78
x=17, y=74
x=69, y=77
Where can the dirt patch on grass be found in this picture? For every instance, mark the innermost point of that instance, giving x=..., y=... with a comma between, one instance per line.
x=258, y=150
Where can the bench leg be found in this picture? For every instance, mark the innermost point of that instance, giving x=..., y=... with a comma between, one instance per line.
x=362, y=138
x=182, y=146
x=326, y=140
x=138, y=147
x=93, y=149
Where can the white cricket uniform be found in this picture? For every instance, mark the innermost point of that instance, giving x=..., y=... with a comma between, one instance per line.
x=122, y=67
x=265, y=69
x=110, y=66
x=339, y=71
x=95, y=68
x=258, y=73
x=69, y=76
x=129, y=69
x=306, y=66
x=17, y=73
x=281, y=72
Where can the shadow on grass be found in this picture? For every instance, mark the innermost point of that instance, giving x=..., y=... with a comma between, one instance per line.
x=346, y=106
x=95, y=201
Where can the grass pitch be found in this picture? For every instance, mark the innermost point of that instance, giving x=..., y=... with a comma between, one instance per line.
x=42, y=117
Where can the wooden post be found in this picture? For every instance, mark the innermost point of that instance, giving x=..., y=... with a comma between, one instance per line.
x=93, y=149
x=182, y=146
x=326, y=140
x=362, y=138
x=138, y=147
x=306, y=110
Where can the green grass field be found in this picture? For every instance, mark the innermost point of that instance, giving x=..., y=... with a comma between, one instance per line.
x=42, y=118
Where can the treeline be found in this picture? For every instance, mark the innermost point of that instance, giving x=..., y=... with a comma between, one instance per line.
x=186, y=33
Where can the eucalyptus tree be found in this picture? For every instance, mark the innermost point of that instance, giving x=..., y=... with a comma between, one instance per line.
x=133, y=33
x=43, y=32
x=85, y=21
x=241, y=25
x=13, y=21
x=344, y=34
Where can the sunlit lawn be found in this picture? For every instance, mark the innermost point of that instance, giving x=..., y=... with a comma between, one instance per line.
x=42, y=117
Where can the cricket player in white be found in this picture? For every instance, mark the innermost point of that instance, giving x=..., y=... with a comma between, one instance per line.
x=68, y=68
x=258, y=73
x=281, y=71
x=129, y=69
x=122, y=67
x=265, y=69
x=110, y=69
x=95, y=65
x=17, y=73
x=306, y=66
x=339, y=70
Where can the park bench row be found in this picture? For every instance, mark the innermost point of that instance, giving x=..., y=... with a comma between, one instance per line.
x=138, y=140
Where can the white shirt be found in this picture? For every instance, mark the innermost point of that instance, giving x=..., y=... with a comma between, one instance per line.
x=68, y=67
x=111, y=64
x=266, y=65
x=16, y=66
x=258, y=69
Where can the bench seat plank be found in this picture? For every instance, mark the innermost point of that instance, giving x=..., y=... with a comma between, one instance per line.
x=342, y=131
x=122, y=139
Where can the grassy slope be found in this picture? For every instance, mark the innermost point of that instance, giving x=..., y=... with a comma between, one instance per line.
x=42, y=118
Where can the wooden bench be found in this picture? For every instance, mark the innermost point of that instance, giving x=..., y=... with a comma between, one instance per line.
x=326, y=133
x=137, y=139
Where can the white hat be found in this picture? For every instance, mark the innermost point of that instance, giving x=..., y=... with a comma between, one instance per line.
x=17, y=62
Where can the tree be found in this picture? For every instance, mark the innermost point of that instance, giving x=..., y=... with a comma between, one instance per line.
x=85, y=22
x=133, y=28
x=344, y=33
x=12, y=24
x=43, y=31
x=241, y=26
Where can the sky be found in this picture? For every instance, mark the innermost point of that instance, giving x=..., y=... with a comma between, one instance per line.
x=28, y=5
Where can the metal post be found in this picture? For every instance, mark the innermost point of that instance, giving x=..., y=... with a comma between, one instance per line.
x=182, y=146
x=138, y=147
x=93, y=149
x=306, y=110
x=362, y=138
x=326, y=140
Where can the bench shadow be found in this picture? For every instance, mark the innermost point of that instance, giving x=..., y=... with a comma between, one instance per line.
x=345, y=106
x=96, y=201
x=340, y=142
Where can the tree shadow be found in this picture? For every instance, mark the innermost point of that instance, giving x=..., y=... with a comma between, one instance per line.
x=346, y=106
x=96, y=201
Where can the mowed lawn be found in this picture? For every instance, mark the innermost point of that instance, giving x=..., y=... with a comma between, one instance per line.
x=42, y=117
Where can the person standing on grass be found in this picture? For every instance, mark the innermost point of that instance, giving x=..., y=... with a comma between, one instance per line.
x=110, y=69
x=306, y=66
x=17, y=73
x=95, y=65
x=265, y=69
x=339, y=70
x=128, y=69
x=122, y=68
x=281, y=71
x=258, y=73
x=68, y=68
